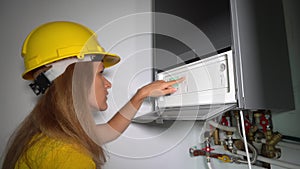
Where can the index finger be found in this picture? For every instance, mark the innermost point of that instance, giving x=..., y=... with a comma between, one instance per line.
x=172, y=82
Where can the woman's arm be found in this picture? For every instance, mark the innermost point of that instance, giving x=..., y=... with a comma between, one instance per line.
x=121, y=120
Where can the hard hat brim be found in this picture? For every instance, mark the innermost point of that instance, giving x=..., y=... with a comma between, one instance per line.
x=108, y=60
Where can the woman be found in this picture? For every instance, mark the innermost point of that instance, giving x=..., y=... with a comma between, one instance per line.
x=66, y=63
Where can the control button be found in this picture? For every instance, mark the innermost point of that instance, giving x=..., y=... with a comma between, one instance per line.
x=222, y=67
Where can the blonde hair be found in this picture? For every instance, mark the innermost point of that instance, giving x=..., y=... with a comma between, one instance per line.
x=55, y=116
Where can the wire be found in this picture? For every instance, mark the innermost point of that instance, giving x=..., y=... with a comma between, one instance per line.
x=277, y=162
x=208, y=163
x=253, y=149
x=245, y=139
x=222, y=127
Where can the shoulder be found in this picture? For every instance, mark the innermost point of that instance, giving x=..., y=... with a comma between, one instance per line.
x=53, y=153
x=66, y=155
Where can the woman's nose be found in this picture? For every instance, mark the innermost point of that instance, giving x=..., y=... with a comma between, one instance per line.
x=107, y=83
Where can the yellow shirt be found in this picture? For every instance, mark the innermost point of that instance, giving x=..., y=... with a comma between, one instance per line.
x=49, y=153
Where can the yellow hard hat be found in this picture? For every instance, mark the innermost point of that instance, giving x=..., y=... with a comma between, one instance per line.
x=59, y=40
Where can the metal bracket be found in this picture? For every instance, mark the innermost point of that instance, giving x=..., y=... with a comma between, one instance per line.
x=40, y=84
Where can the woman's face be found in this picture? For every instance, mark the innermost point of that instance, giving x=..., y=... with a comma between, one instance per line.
x=98, y=95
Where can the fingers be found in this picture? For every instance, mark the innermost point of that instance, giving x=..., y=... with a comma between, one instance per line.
x=173, y=82
x=160, y=88
x=169, y=90
x=170, y=86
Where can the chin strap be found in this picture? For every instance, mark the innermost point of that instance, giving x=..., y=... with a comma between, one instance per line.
x=45, y=79
x=40, y=84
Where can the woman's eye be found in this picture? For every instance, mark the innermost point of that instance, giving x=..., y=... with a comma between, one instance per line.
x=101, y=72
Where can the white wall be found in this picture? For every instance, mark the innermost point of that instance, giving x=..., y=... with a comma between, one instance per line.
x=18, y=18
x=141, y=146
x=121, y=31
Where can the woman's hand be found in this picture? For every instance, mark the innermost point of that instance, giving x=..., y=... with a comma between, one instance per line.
x=159, y=88
x=154, y=89
x=122, y=119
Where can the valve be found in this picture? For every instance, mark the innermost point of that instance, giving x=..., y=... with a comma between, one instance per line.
x=207, y=149
x=247, y=125
x=264, y=122
x=225, y=159
x=224, y=121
